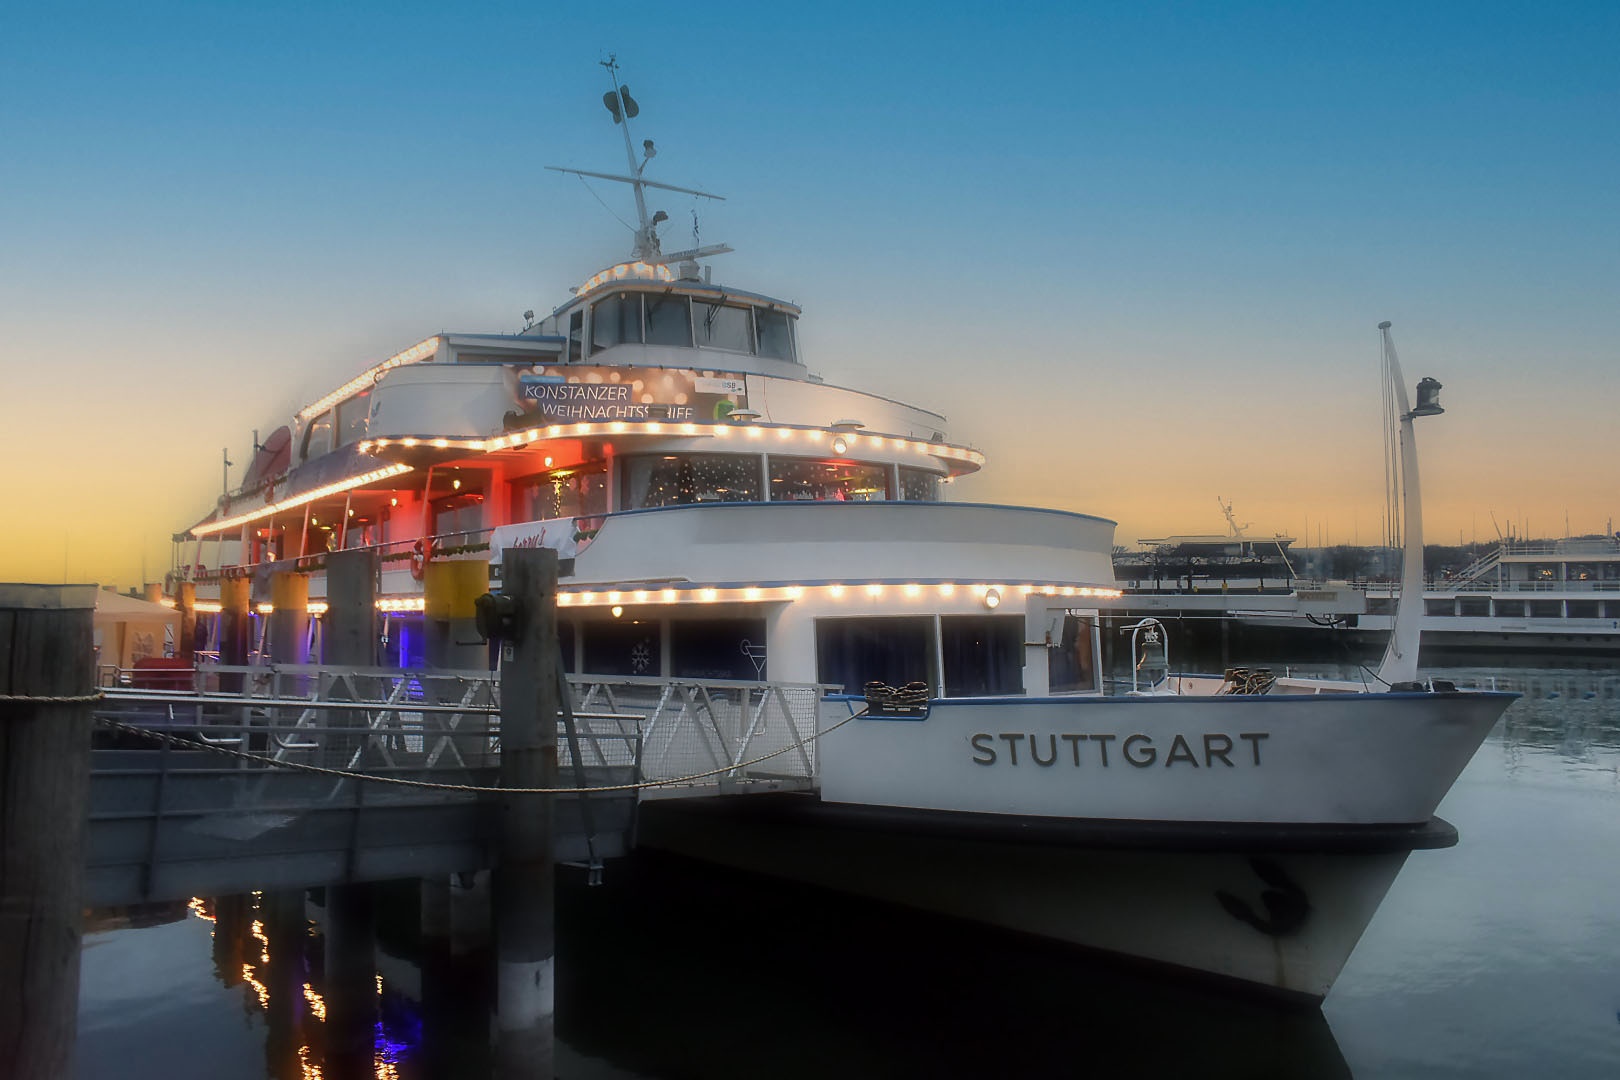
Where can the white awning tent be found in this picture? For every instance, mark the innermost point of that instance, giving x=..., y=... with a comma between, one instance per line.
x=128, y=628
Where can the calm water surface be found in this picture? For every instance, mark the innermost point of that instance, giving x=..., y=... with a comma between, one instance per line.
x=1497, y=958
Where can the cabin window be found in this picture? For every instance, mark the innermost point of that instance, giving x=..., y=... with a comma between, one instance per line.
x=717, y=648
x=1071, y=667
x=682, y=479
x=616, y=321
x=1380, y=605
x=723, y=326
x=1581, y=609
x=981, y=655
x=1474, y=606
x=1546, y=609
x=918, y=485
x=895, y=650
x=579, y=492
x=774, y=337
x=1509, y=609
x=669, y=320
x=804, y=480
x=1439, y=607
x=622, y=647
x=317, y=437
x=352, y=416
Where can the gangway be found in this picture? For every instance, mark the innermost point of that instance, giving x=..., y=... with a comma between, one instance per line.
x=288, y=776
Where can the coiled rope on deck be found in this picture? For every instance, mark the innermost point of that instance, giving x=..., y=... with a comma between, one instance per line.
x=298, y=766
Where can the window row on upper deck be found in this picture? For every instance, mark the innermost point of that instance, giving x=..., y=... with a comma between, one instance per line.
x=671, y=318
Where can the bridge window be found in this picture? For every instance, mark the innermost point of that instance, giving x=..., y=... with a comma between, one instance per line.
x=1071, y=667
x=982, y=654
x=896, y=650
x=723, y=326
x=616, y=320
x=682, y=479
x=803, y=480
x=669, y=320
x=918, y=485
x=352, y=416
x=775, y=337
x=579, y=492
x=317, y=437
x=576, y=336
x=717, y=648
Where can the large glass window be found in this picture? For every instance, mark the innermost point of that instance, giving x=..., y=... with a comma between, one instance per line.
x=621, y=647
x=1072, y=667
x=456, y=519
x=774, y=336
x=982, y=654
x=723, y=326
x=895, y=650
x=918, y=485
x=616, y=321
x=679, y=479
x=717, y=648
x=804, y=480
x=565, y=493
x=351, y=418
x=669, y=320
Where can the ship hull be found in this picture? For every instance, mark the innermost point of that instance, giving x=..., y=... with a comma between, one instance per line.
x=1277, y=913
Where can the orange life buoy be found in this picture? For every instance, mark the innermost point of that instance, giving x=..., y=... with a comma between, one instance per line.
x=421, y=555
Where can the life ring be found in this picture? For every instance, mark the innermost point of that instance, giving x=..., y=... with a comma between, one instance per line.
x=421, y=555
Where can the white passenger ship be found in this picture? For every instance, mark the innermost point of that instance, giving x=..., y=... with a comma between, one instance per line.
x=723, y=513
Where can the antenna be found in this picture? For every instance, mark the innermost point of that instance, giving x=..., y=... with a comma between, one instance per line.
x=624, y=108
x=225, y=470
x=1226, y=508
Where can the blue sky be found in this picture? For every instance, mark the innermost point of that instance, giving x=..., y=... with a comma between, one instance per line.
x=1146, y=242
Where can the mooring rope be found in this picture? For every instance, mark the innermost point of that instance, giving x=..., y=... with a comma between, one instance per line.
x=54, y=699
x=159, y=736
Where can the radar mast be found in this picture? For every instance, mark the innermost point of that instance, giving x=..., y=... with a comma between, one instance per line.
x=624, y=108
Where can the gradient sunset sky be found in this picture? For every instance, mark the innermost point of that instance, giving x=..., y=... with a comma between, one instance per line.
x=1136, y=253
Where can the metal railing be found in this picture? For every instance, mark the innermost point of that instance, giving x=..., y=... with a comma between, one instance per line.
x=381, y=720
x=691, y=726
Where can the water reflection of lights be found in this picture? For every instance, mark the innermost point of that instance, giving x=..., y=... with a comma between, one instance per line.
x=264, y=942
x=199, y=907
x=258, y=987
x=312, y=1071
x=317, y=1004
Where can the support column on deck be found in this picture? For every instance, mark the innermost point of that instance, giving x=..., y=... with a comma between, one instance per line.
x=185, y=632
x=46, y=651
x=235, y=628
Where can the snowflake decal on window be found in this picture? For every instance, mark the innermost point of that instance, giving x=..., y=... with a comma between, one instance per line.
x=641, y=657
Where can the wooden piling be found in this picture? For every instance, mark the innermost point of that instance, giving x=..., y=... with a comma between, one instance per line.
x=289, y=621
x=46, y=651
x=349, y=639
x=525, y=877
